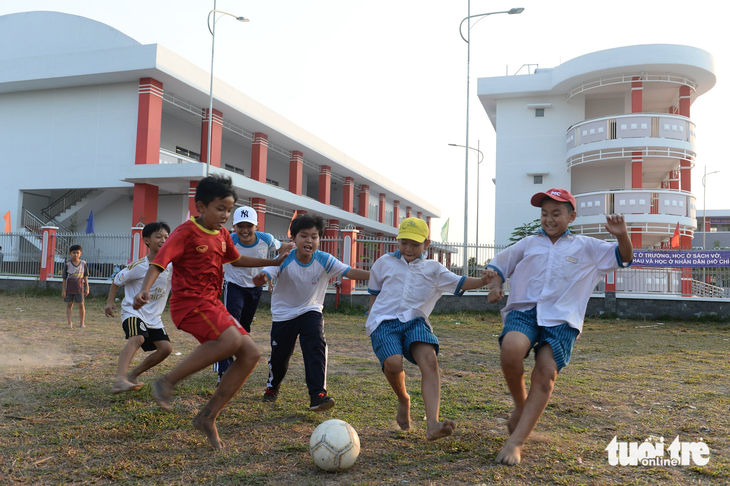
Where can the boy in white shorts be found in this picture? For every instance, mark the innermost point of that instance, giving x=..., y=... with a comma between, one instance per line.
x=240, y=295
x=143, y=328
x=404, y=288
x=296, y=307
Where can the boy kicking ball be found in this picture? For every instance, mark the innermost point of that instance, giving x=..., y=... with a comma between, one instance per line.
x=143, y=327
x=198, y=249
x=552, y=276
x=404, y=288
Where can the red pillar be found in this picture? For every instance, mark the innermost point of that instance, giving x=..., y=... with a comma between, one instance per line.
x=409, y=211
x=139, y=249
x=636, y=183
x=259, y=205
x=149, y=122
x=296, y=170
x=48, y=251
x=428, y=223
x=216, y=137
x=349, y=257
x=360, y=248
x=144, y=203
x=325, y=179
x=636, y=96
x=191, y=199
x=259, y=151
x=348, y=196
x=685, y=242
x=364, y=200
x=685, y=99
x=419, y=215
x=611, y=282
x=396, y=214
x=381, y=208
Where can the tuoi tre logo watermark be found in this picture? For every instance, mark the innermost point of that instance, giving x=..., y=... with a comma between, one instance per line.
x=653, y=454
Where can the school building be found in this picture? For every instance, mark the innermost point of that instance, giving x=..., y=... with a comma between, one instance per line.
x=93, y=121
x=614, y=127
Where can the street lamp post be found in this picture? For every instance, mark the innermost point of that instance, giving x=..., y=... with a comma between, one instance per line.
x=479, y=162
x=212, y=59
x=467, y=19
x=704, y=209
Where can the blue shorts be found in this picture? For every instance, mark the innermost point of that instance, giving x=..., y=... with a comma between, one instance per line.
x=560, y=338
x=395, y=337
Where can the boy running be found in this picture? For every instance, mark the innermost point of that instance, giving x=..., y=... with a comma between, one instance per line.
x=552, y=275
x=143, y=327
x=296, y=307
x=198, y=249
x=404, y=288
x=75, y=278
x=240, y=295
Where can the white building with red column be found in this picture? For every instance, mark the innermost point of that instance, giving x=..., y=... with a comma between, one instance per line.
x=614, y=128
x=92, y=120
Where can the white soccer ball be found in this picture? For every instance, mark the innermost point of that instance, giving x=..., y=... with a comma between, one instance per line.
x=334, y=445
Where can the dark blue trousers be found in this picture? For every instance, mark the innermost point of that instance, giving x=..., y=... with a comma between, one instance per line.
x=241, y=303
x=309, y=327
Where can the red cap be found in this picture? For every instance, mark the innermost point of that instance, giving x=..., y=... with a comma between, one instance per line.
x=556, y=193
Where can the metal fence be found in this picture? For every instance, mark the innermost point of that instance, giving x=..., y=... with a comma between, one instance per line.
x=104, y=254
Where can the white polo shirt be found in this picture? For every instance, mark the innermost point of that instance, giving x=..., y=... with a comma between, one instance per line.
x=243, y=276
x=131, y=278
x=557, y=278
x=407, y=290
x=301, y=288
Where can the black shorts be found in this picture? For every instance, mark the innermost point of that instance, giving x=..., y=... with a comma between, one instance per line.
x=134, y=326
x=74, y=298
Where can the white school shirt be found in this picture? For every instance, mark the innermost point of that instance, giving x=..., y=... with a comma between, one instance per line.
x=301, y=288
x=131, y=279
x=408, y=290
x=243, y=276
x=557, y=278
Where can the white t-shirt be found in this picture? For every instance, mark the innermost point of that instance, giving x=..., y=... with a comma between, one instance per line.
x=407, y=290
x=131, y=278
x=243, y=276
x=301, y=288
x=557, y=278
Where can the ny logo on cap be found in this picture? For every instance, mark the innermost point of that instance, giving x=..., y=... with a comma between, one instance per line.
x=244, y=213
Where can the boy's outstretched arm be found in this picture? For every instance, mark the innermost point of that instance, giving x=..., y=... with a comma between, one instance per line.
x=616, y=225
x=247, y=261
x=357, y=274
x=260, y=279
x=110, y=307
x=143, y=297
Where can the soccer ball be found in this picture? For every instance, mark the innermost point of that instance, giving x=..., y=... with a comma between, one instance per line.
x=334, y=445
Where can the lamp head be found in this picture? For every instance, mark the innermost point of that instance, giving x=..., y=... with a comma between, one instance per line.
x=242, y=19
x=515, y=11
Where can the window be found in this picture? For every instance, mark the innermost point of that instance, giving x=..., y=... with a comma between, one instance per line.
x=373, y=212
x=235, y=169
x=539, y=112
x=389, y=217
x=187, y=153
x=537, y=179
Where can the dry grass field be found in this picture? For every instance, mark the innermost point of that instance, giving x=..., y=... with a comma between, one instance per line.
x=59, y=423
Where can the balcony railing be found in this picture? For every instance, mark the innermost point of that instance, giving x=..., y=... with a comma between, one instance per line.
x=634, y=125
x=169, y=157
x=637, y=201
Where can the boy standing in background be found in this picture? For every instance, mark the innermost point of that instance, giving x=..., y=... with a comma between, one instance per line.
x=75, y=279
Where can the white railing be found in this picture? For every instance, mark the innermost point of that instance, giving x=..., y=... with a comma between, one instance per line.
x=630, y=78
x=629, y=152
x=169, y=157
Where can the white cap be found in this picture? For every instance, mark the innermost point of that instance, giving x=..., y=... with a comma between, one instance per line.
x=245, y=214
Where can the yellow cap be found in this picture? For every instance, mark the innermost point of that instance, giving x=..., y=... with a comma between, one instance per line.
x=413, y=229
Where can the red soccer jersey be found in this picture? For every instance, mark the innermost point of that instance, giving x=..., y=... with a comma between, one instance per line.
x=197, y=256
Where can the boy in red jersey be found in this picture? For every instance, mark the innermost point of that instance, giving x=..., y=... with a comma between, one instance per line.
x=198, y=249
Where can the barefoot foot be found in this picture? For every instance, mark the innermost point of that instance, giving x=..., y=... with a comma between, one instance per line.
x=121, y=386
x=510, y=454
x=161, y=392
x=403, y=417
x=206, y=425
x=514, y=419
x=440, y=430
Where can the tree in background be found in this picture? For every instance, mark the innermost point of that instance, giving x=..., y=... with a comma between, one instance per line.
x=523, y=231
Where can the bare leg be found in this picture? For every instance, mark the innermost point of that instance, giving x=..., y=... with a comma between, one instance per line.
x=425, y=356
x=515, y=346
x=542, y=382
x=69, y=308
x=121, y=380
x=393, y=370
x=247, y=357
x=164, y=348
x=204, y=355
x=82, y=313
